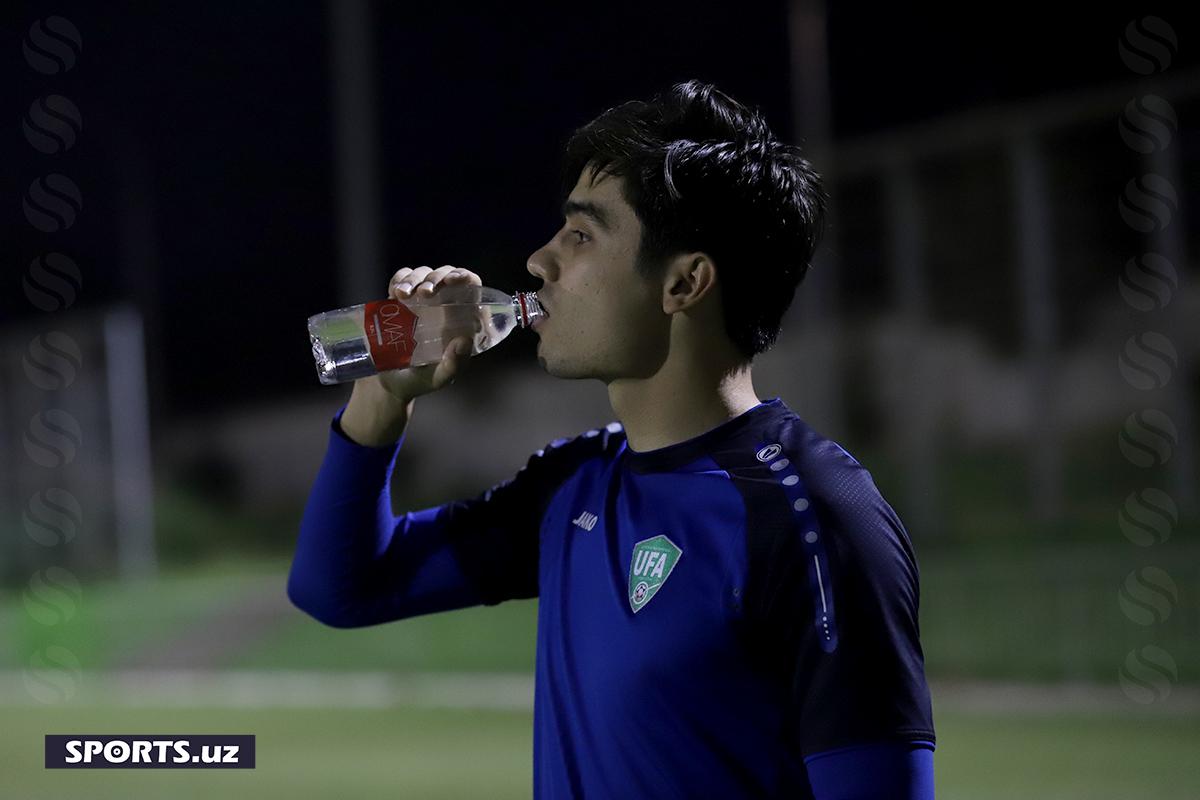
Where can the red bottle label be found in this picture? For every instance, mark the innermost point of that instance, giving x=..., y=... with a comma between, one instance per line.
x=391, y=331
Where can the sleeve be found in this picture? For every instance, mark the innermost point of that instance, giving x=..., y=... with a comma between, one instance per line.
x=357, y=564
x=889, y=771
x=833, y=599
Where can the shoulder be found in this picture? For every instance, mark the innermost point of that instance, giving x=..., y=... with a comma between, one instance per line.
x=560, y=458
x=592, y=443
x=807, y=482
x=815, y=516
x=788, y=464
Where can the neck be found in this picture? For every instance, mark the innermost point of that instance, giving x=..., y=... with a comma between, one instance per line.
x=685, y=398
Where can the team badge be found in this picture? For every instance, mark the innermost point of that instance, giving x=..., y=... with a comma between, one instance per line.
x=651, y=565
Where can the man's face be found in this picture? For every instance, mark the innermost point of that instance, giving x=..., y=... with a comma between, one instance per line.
x=605, y=321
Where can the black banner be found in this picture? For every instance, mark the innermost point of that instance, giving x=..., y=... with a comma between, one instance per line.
x=149, y=751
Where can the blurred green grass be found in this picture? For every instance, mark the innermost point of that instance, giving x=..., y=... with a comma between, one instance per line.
x=299, y=754
x=1002, y=596
x=404, y=752
x=498, y=639
x=1050, y=613
x=112, y=620
x=1029, y=613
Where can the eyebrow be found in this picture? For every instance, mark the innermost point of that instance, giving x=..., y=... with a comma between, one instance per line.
x=590, y=210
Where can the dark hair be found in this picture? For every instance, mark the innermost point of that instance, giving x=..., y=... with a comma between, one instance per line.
x=704, y=173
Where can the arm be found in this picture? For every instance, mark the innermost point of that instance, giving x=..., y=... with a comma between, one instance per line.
x=356, y=563
x=832, y=602
x=887, y=771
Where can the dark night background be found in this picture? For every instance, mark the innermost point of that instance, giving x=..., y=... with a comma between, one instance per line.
x=1002, y=325
x=221, y=114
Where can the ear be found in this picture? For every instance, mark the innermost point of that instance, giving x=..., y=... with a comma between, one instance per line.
x=689, y=278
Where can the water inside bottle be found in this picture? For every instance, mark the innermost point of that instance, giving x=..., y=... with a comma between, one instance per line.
x=483, y=324
x=343, y=352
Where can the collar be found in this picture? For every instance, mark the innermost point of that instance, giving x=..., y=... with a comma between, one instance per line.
x=671, y=457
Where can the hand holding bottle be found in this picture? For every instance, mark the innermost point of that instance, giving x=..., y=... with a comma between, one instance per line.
x=427, y=311
x=381, y=404
x=425, y=282
x=413, y=343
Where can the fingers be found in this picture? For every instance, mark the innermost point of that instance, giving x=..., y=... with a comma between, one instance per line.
x=428, y=285
x=423, y=281
x=448, y=368
x=405, y=280
x=465, y=277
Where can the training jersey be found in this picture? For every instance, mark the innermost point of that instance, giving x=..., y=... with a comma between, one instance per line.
x=714, y=616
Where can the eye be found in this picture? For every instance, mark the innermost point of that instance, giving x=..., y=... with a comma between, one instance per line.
x=583, y=237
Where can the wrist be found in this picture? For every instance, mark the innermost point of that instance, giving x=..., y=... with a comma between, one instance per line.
x=374, y=417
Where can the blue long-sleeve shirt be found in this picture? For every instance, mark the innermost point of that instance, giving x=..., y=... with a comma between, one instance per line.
x=730, y=616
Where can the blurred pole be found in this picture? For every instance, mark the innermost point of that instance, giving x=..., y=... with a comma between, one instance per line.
x=360, y=266
x=1168, y=241
x=1038, y=323
x=811, y=113
x=140, y=273
x=133, y=481
x=11, y=540
x=917, y=417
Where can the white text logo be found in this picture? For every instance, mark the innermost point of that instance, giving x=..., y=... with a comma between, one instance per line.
x=586, y=520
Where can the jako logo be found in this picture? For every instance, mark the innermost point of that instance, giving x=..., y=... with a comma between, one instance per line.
x=769, y=452
x=586, y=520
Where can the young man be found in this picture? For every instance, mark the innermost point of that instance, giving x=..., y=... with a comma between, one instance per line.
x=728, y=607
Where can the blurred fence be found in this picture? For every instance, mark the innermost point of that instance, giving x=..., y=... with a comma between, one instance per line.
x=1013, y=223
x=75, y=474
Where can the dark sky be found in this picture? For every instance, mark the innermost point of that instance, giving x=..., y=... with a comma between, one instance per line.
x=211, y=121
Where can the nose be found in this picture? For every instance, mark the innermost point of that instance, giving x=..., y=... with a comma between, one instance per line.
x=541, y=264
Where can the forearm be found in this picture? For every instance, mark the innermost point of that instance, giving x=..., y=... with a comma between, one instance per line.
x=347, y=524
x=374, y=417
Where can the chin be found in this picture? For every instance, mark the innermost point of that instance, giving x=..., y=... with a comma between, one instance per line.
x=559, y=370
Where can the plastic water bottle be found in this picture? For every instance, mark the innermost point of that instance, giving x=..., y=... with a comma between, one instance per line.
x=356, y=342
